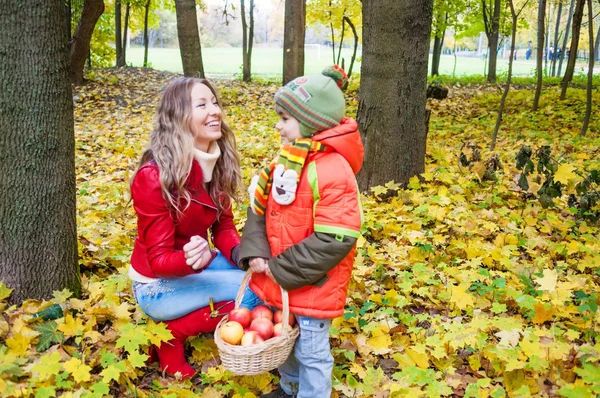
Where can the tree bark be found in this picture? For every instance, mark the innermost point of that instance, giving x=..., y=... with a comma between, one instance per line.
x=577, y=18
x=146, y=14
x=38, y=236
x=118, y=39
x=540, y=54
x=247, y=40
x=293, y=39
x=555, y=46
x=566, y=39
x=588, y=107
x=597, y=45
x=68, y=6
x=189, y=38
x=80, y=47
x=391, y=113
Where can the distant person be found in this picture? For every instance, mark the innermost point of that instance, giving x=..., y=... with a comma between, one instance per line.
x=528, y=53
x=183, y=188
x=303, y=223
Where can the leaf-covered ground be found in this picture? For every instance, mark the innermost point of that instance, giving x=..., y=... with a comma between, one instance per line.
x=463, y=286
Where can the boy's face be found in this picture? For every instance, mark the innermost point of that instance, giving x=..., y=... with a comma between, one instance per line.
x=288, y=126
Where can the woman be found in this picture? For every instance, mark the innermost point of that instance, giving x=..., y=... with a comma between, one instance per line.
x=183, y=188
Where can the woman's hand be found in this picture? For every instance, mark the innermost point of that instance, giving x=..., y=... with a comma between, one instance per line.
x=197, y=253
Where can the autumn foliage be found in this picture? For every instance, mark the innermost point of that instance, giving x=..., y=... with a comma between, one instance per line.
x=464, y=283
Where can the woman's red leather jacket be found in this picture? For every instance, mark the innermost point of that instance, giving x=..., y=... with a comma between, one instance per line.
x=158, y=250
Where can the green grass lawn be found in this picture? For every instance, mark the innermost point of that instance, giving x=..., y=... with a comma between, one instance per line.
x=268, y=62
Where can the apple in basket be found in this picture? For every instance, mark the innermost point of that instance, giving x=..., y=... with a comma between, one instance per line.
x=278, y=318
x=231, y=332
x=263, y=326
x=242, y=316
x=262, y=311
x=278, y=329
x=251, y=337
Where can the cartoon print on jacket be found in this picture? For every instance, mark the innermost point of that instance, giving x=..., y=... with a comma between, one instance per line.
x=285, y=183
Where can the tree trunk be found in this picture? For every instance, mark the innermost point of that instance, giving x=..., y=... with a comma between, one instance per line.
x=391, y=113
x=438, y=44
x=597, y=45
x=189, y=38
x=80, y=47
x=556, y=29
x=349, y=22
x=566, y=39
x=146, y=13
x=588, y=107
x=247, y=39
x=493, y=38
x=118, y=39
x=69, y=9
x=540, y=53
x=38, y=236
x=577, y=18
x=513, y=39
x=293, y=39
x=125, y=29
x=341, y=38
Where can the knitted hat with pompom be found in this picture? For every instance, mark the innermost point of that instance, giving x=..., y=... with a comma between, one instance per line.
x=316, y=101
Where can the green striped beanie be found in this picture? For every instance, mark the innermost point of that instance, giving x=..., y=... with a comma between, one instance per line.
x=316, y=101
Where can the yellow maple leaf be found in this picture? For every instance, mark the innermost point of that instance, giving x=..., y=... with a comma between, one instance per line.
x=565, y=174
x=420, y=359
x=542, y=314
x=380, y=342
x=461, y=298
x=548, y=281
x=79, y=370
x=509, y=338
x=72, y=326
x=18, y=344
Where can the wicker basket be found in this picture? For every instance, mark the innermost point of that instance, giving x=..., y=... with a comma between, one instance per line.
x=257, y=358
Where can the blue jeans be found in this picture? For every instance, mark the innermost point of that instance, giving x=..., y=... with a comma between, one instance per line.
x=168, y=299
x=307, y=371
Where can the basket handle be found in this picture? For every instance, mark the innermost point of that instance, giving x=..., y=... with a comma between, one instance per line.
x=284, y=300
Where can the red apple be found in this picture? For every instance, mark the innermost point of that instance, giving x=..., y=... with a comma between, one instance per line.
x=242, y=316
x=251, y=337
x=262, y=311
x=278, y=329
x=231, y=332
x=278, y=318
x=263, y=326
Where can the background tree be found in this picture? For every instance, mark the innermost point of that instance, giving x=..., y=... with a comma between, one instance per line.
x=566, y=38
x=293, y=39
x=146, y=19
x=491, y=19
x=555, y=45
x=118, y=34
x=337, y=15
x=38, y=237
x=577, y=18
x=540, y=53
x=446, y=13
x=80, y=46
x=247, y=39
x=513, y=38
x=391, y=113
x=588, y=107
x=189, y=38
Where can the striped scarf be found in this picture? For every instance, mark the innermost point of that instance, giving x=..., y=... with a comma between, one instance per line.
x=292, y=156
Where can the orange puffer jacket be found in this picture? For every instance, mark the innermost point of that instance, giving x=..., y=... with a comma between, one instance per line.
x=327, y=201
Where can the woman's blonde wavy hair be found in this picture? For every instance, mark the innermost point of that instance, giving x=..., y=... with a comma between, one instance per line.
x=172, y=148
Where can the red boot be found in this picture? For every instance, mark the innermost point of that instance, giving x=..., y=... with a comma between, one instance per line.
x=171, y=353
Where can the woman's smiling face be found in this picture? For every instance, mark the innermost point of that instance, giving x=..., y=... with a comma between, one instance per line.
x=205, y=118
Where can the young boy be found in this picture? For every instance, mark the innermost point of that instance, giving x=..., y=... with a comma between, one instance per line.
x=304, y=221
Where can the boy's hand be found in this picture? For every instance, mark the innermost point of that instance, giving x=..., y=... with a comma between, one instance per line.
x=197, y=253
x=259, y=265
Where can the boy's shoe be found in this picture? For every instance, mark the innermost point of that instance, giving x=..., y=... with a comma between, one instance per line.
x=279, y=393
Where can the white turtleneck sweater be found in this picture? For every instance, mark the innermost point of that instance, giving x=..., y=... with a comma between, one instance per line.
x=207, y=161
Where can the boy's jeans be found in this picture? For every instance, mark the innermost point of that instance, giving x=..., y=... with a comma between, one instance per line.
x=168, y=299
x=307, y=371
